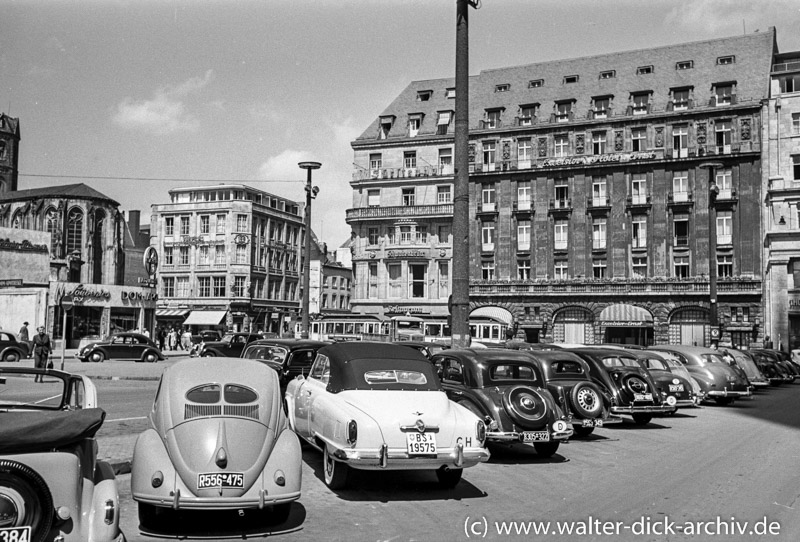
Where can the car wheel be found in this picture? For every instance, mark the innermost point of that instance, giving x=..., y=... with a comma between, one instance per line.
x=11, y=356
x=642, y=419
x=722, y=401
x=280, y=513
x=97, y=356
x=335, y=472
x=208, y=355
x=546, y=449
x=586, y=401
x=150, y=357
x=581, y=431
x=26, y=499
x=448, y=478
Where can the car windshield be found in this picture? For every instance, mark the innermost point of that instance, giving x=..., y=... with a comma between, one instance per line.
x=511, y=371
x=276, y=354
x=619, y=361
x=19, y=391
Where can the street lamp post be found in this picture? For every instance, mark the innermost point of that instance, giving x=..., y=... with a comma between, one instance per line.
x=311, y=193
x=713, y=190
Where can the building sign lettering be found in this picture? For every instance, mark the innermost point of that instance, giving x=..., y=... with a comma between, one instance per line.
x=598, y=159
x=81, y=294
x=399, y=309
x=22, y=246
x=139, y=296
x=794, y=303
x=403, y=254
x=5, y=283
x=629, y=323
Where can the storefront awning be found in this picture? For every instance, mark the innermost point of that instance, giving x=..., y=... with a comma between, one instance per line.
x=171, y=313
x=624, y=315
x=205, y=318
x=498, y=314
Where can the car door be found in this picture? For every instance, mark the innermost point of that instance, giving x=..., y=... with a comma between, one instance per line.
x=116, y=347
x=299, y=363
x=237, y=345
x=308, y=393
x=136, y=347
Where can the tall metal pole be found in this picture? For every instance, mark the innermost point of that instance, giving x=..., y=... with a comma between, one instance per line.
x=459, y=307
x=310, y=193
x=713, y=190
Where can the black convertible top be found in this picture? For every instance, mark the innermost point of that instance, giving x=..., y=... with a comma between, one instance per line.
x=40, y=431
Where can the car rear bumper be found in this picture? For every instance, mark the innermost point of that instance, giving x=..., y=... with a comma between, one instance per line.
x=386, y=458
x=190, y=502
x=517, y=436
x=642, y=409
x=596, y=422
x=729, y=393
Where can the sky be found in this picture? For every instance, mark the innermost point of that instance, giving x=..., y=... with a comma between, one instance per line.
x=203, y=92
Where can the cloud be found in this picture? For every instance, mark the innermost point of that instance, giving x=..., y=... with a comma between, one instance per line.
x=166, y=112
x=284, y=165
x=726, y=17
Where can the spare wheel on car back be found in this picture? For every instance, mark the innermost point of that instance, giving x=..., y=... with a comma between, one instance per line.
x=587, y=400
x=524, y=405
x=635, y=384
x=25, y=499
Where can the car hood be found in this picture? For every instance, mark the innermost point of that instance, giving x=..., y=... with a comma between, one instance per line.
x=389, y=410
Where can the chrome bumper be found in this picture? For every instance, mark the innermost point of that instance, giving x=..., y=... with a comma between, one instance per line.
x=516, y=436
x=398, y=458
x=655, y=409
x=729, y=393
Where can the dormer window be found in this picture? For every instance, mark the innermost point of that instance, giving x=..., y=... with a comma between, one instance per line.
x=570, y=79
x=424, y=95
x=723, y=94
x=450, y=93
x=536, y=83
x=644, y=70
x=443, y=123
x=730, y=59
x=610, y=74
x=385, y=126
x=600, y=107
x=563, y=111
x=640, y=103
x=505, y=87
x=493, y=118
x=527, y=114
x=680, y=99
x=414, y=124
x=684, y=65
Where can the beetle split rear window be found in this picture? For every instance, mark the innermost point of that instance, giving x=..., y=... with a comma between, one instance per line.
x=212, y=393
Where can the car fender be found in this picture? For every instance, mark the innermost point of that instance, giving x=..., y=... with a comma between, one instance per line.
x=286, y=456
x=105, y=495
x=150, y=455
x=329, y=417
x=18, y=351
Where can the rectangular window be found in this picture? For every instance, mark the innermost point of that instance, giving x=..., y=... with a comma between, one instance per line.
x=563, y=111
x=639, y=231
x=444, y=194
x=599, y=233
x=241, y=223
x=680, y=230
x=796, y=167
x=684, y=65
x=527, y=114
x=487, y=270
x=680, y=141
x=639, y=188
x=561, y=146
x=205, y=224
x=239, y=289
x=395, y=277
x=561, y=194
x=600, y=108
x=599, y=194
x=446, y=161
x=599, y=269
x=724, y=227
x=723, y=94
x=560, y=234
x=680, y=186
x=504, y=87
x=219, y=256
x=524, y=269
x=372, y=288
x=638, y=139
x=724, y=180
x=373, y=235
x=560, y=270
x=220, y=228
x=680, y=99
x=796, y=123
x=722, y=130
x=204, y=286
x=639, y=266
x=598, y=143
x=487, y=236
x=169, y=258
x=493, y=119
x=182, y=287
x=169, y=226
x=410, y=160
x=218, y=285
x=421, y=235
x=644, y=70
x=524, y=153
x=724, y=265
x=443, y=123
x=375, y=162
x=444, y=279
x=409, y=197
x=417, y=280
x=184, y=225
x=488, y=198
x=202, y=256
x=524, y=195
x=373, y=198
x=241, y=254
x=536, y=83
x=413, y=126
x=405, y=235
x=723, y=60
x=183, y=256
x=489, y=155
x=443, y=233
x=681, y=266
x=641, y=103
x=524, y=235
x=169, y=286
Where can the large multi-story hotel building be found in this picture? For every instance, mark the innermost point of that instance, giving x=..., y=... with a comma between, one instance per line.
x=608, y=195
x=230, y=256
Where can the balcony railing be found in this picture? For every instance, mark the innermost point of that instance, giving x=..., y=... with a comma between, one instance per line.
x=611, y=287
x=365, y=213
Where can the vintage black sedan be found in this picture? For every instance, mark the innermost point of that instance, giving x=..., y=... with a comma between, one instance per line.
x=507, y=390
x=567, y=378
x=632, y=389
x=133, y=346
x=230, y=346
x=679, y=392
x=10, y=348
x=289, y=357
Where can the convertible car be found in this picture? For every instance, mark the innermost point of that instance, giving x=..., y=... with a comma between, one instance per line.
x=52, y=487
x=218, y=441
x=133, y=346
x=507, y=390
x=380, y=406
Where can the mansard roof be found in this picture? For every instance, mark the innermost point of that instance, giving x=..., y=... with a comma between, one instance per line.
x=750, y=55
x=68, y=191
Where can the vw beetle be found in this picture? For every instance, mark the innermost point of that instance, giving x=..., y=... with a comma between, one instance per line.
x=507, y=390
x=218, y=440
x=380, y=406
x=126, y=345
x=52, y=486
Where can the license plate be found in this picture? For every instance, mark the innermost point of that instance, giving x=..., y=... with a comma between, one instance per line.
x=220, y=479
x=15, y=534
x=642, y=396
x=676, y=387
x=592, y=423
x=535, y=436
x=421, y=444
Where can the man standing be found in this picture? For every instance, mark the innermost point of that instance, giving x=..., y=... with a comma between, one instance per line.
x=24, y=337
x=41, y=351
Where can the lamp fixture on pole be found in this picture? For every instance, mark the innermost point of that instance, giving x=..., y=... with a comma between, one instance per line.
x=311, y=193
x=713, y=191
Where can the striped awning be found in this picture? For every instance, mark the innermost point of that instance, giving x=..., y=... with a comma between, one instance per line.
x=171, y=313
x=498, y=314
x=205, y=318
x=621, y=314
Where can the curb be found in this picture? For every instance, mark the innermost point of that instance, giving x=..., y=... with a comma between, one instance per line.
x=151, y=378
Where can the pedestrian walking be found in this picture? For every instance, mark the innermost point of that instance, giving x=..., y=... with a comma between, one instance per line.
x=173, y=338
x=24, y=337
x=162, y=338
x=186, y=340
x=41, y=351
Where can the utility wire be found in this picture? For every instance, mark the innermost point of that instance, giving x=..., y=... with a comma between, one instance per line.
x=225, y=181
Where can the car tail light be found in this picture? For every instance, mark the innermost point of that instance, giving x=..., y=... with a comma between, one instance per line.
x=157, y=479
x=280, y=478
x=63, y=513
x=352, y=432
x=111, y=511
x=481, y=431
